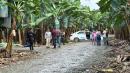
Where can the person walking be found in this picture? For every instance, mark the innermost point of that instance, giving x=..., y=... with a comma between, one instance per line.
x=48, y=37
x=30, y=38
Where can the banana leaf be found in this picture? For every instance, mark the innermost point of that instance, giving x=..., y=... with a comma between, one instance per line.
x=38, y=21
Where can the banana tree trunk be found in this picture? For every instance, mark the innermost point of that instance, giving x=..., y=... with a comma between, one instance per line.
x=19, y=34
x=57, y=23
x=122, y=33
x=42, y=33
x=8, y=48
x=3, y=37
x=23, y=36
x=129, y=31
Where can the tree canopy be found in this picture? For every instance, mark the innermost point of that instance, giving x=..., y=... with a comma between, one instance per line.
x=33, y=12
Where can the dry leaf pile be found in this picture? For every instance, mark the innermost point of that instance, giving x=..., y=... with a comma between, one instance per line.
x=18, y=55
x=118, y=58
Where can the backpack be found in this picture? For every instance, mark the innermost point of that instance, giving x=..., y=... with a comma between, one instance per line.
x=98, y=37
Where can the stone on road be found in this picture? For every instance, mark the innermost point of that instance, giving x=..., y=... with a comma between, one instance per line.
x=66, y=59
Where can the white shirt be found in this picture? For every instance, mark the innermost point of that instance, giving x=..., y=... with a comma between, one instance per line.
x=98, y=33
x=48, y=35
x=104, y=33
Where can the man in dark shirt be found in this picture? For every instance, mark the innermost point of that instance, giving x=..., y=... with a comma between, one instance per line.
x=54, y=37
x=30, y=38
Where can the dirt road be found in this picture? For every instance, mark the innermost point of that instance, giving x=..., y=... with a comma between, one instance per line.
x=71, y=58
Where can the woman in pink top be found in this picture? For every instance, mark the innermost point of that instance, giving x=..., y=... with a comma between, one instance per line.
x=94, y=34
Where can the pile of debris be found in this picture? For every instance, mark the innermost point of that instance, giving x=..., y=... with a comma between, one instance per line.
x=18, y=55
x=118, y=58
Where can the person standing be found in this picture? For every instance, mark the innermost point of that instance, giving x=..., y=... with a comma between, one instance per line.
x=54, y=37
x=105, y=37
x=94, y=37
x=87, y=34
x=48, y=37
x=63, y=37
x=30, y=38
x=98, y=38
x=58, y=37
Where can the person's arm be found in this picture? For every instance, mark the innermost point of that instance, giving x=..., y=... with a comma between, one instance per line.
x=51, y=35
x=45, y=35
x=27, y=36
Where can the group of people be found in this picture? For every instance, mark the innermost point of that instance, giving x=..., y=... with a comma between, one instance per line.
x=97, y=37
x=54, y=37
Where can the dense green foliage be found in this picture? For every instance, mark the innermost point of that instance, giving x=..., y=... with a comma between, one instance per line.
x=118, y=16
x=118, y=11
x=64, y=12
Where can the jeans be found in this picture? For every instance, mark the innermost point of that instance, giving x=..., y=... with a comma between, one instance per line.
x=59, y=41
x=31, y=45
x=62, y=40
x=99, y=42
x=54, y=41
x=105, y=39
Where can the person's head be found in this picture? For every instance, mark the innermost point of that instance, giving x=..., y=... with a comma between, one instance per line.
x=106, y=29
x=93, y=30
x=48, y=29
x=54, y=27
x=30, y=29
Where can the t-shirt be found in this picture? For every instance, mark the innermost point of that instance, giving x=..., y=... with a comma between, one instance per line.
x=94, y=34
x=30, y=36
x=48, y=35
x=54, y=33
x=98, y=37
x=98, y=33
x=104, y=33
x=58, y=32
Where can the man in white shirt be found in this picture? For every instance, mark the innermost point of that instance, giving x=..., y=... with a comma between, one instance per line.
x=48, y=37
x=105, y=36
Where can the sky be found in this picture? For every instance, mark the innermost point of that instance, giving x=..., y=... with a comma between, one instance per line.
x=90, y=3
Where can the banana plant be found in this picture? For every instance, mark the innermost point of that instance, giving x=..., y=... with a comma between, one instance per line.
x=18, y=10
x=119, y=15
x=56, y=9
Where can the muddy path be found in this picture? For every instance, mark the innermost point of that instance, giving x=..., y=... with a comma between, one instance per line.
x=71, y=58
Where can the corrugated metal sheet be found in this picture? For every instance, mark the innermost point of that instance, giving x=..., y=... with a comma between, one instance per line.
x=7, y=22
x=3, y=10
